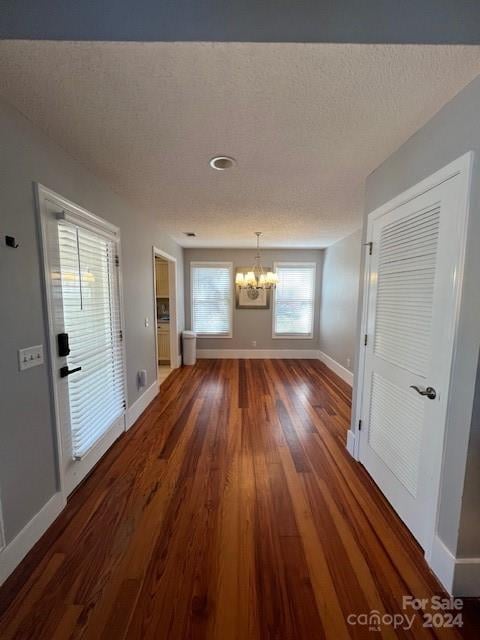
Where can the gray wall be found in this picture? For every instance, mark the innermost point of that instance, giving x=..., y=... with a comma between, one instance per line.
x=254, y=324
x=27, y=452
x=453, y=131
x=469, y=530
x=338, y=310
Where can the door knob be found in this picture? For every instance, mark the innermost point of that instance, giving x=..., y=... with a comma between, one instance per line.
x=429, y=391
x=65, y=371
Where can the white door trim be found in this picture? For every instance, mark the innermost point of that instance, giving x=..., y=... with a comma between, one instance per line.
x=43, y=194
x=175, y=358
x=353, y=435
x=2, y=527
x=461, y=167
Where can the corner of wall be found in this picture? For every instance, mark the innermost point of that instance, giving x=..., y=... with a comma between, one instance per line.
x=459, y=576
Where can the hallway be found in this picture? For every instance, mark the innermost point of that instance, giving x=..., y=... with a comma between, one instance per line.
x=230, y=510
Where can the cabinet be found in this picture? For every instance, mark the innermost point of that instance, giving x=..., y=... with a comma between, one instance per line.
x=161, y=278
x=163, y=342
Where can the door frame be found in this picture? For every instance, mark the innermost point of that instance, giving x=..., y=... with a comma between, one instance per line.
x=175, y=357
x=42, y=194
x=2, y=528
x=461, y=167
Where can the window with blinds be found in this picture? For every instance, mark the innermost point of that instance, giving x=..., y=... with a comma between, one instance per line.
x=212, y=298
x=89, y=286
x=294, y=300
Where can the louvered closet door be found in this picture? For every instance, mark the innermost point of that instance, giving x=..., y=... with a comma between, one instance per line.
x=410, y=315
x=90, y=383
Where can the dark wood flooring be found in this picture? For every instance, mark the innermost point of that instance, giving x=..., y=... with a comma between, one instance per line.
x=230, y=510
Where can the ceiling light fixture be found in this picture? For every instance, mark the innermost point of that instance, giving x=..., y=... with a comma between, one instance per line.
x=221, y=163
x=257, y=278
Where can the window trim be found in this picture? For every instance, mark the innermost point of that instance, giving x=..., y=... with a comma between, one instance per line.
x=295, y=336
x=212, y=263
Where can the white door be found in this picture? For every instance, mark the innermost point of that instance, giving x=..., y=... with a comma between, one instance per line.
x=415, y=269
x=87, y=353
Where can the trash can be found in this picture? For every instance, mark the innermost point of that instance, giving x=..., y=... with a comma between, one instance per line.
x=189, y=347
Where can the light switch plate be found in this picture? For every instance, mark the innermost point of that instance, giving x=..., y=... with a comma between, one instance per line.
x=30, y=357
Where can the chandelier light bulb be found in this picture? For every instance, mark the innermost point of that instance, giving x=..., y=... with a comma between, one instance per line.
x=257, y=278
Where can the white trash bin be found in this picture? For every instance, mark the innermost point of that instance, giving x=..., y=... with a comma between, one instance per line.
x=189, y=347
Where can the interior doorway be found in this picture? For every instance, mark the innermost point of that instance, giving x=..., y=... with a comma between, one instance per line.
x=166, y=330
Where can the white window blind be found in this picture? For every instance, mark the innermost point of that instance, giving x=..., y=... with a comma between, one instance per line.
x=91, y=310
x=212, y=287
x=294, y=300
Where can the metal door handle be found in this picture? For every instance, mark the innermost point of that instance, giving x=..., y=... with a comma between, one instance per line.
x=65, y=371
x=429, y=391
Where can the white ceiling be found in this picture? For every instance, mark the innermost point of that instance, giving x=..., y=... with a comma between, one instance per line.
x=306, y=122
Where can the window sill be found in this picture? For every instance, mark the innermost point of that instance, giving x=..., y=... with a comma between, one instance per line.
x=291, y=336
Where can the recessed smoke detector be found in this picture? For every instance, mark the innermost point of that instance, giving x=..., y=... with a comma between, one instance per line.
x=190, y=234
x=221, y=163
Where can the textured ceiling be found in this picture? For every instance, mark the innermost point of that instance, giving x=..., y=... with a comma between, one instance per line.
x=306, y=123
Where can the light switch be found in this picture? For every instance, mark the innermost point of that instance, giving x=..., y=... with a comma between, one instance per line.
x=147, y=322
x=30, y=357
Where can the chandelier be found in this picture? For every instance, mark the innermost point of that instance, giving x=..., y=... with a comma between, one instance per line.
x=257, y=278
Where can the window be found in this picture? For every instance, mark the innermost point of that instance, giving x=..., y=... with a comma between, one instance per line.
x=294, y=300
x=211, y=284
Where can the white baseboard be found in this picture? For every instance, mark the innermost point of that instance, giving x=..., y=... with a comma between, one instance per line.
x=179, y=361
x=351, y=443
x=140, y=404
x=311, y=354
x=459, y=576
x=17, y=549
x=337, y=368
x=442, y=563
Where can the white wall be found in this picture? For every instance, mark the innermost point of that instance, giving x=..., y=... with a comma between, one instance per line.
x=338, y=310
x=27, y=452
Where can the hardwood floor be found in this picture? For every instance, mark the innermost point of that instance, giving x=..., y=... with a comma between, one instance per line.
x=163, y=371
x=231, y=510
